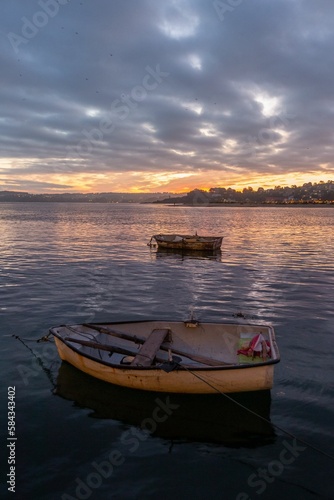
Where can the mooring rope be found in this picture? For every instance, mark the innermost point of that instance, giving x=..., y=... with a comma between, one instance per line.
x=45, y=338
x=306, y=443
x=46, y=370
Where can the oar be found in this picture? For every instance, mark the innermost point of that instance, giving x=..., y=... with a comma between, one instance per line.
x=165, y=347
x=106, y=347
x=116, y=333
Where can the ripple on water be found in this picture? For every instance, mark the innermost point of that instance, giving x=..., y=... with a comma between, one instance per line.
x=67, y=263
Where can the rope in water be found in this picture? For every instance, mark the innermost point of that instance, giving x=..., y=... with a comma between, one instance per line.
x=46, y=370
x=309, y=445
x=45, y=338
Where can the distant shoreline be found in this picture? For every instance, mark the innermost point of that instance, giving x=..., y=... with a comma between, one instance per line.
x=317, y=194
x=177, y=205
x=246, y=205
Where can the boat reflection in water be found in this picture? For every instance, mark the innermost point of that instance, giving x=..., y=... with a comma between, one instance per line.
x=170, y=253
x=206, y=418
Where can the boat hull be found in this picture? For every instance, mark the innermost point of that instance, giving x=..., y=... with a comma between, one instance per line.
x=191, y=381
x=188, y=243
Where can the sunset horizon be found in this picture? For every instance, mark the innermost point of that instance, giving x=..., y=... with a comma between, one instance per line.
x=173, y=187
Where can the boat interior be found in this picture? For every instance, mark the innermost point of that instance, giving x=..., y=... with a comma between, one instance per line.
x=148, y=344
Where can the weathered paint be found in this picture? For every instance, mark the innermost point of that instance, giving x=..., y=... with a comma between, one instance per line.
x=188, y=242
x=178, y=381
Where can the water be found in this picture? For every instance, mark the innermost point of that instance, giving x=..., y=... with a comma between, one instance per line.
x=81, y=438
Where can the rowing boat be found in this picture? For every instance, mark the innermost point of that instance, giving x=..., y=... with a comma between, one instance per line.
x=173, y=356
x=187, y=242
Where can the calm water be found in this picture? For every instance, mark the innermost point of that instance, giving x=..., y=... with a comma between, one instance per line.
x=81, y=438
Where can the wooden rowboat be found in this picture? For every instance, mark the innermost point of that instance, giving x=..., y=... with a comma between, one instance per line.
x=171, y=356
x=187, y=242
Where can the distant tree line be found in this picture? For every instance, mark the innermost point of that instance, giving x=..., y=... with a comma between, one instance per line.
x=308, y=193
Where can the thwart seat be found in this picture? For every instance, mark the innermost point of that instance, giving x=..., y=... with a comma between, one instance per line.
x=150, y=347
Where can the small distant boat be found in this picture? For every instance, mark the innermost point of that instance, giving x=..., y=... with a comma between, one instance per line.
x=187, y=242
x=170, y=356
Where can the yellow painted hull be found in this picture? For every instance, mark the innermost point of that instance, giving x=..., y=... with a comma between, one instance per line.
x=196, y=381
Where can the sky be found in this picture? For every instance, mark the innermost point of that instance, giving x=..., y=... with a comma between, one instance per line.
x=153, y=95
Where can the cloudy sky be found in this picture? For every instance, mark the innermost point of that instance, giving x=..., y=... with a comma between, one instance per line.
x=154, y=95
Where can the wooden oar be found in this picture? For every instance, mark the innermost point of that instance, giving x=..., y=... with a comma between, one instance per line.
x=106, y=347
x=115, y=333
x=165, y=347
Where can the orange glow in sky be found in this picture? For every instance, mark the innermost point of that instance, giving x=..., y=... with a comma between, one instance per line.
x=181, y=181
x=173, y=182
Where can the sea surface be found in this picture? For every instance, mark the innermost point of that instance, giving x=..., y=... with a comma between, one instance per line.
x=81, y=438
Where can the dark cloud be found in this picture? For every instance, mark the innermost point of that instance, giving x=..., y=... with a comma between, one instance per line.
x=190, y=85
x=19, y=185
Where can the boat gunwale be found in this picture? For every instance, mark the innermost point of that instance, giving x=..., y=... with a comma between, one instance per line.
x=187, y=236
x=232, y=366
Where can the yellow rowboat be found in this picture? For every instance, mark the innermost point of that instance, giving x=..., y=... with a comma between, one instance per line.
x=169, y=356
x=187, y=242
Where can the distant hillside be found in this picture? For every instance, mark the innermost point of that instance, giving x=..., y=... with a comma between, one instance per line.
x=16, y=196
x=308, y=193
